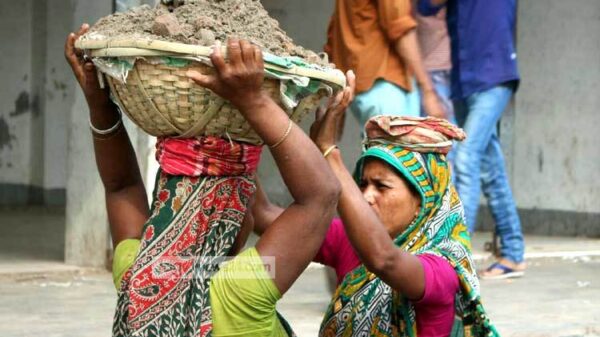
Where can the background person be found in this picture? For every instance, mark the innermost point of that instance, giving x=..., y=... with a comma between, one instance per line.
x=378, y=40
x=401, y=249
x=434, y=42
x=484, y=78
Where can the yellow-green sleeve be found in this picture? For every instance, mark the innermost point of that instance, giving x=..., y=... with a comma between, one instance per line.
x=124, y=256
x=243, y=298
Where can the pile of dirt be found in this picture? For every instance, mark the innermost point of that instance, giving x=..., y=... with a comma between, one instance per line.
x=201, y=22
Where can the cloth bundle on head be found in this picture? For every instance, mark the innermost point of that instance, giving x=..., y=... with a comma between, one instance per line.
x=365, y=305
x=201, y=196
x=210, y=156
x=420, y=134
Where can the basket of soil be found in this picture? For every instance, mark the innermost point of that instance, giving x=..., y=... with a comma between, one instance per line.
x=144, y=54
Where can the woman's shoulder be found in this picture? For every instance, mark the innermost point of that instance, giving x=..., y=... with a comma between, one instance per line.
x=435, y=311
x=441, y=280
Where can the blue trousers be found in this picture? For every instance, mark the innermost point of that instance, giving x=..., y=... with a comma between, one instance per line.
x=479, y=165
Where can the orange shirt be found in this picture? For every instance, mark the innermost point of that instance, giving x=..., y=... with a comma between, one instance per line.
x=362, y=36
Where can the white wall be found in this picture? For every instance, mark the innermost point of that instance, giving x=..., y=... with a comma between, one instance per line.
x=15, y=92
x=86, y=223
x=59, y=94
x=33, y=147
x=556, y=153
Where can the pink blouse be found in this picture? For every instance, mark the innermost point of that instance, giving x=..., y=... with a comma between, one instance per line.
x=434, y=312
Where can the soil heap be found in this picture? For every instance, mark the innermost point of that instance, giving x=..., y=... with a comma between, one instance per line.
x=202, y=22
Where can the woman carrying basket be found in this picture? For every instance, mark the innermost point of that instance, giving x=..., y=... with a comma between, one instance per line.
x=166, y=256
x=401, y=249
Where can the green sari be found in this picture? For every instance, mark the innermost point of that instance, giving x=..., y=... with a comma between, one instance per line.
x=363, y=305
x=194, y=223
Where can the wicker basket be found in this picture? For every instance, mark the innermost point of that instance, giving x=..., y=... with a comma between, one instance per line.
x=163, y=101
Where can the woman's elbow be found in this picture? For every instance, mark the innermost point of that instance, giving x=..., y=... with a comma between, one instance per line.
x=119, y=184
x=330, y=193
x=380, y=263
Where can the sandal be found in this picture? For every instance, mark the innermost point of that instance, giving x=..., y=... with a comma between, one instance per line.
x=507, y=272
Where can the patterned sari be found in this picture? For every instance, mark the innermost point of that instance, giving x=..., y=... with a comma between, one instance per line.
x=196, y=215
x=363, y=305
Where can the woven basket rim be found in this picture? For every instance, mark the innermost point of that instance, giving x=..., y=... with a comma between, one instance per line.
x=149, y=47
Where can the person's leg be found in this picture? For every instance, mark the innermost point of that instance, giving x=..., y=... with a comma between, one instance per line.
x=460, y=113
x=384, y=98
x=478, y=116
x=497, y=190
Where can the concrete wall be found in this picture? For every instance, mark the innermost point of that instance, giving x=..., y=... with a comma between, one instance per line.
x=59, y=96
x=556, y=155
x=35, y=99
x=86, y=224
x=43, y=116
x=16, y=115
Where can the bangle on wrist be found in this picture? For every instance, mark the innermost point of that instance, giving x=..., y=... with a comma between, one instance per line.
x=285, y=135
x=106, y=131
x=110, y=136
x=329, y=150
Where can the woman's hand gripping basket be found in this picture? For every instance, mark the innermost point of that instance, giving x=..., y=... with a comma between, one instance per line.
x=148, y=81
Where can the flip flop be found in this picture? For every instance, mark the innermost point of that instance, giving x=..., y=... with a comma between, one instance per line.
x=507, y=272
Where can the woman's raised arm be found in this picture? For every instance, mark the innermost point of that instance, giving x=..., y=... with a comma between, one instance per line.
x=368, y=235
x=296, y=234
x=126, y=201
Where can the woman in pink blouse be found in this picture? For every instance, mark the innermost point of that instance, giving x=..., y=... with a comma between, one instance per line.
x=400, y=248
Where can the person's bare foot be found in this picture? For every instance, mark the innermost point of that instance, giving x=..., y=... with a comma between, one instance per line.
x=503, y=269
